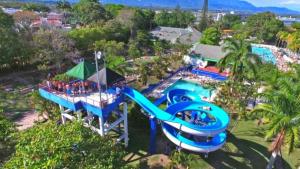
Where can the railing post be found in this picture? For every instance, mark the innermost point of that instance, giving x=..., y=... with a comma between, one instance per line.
x=79, y=115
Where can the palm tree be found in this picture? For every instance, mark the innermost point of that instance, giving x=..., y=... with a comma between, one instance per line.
x=282, y=108
x=239, y=58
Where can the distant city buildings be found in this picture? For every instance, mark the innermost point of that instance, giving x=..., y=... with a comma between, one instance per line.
x=288, y=20
x=10, y=11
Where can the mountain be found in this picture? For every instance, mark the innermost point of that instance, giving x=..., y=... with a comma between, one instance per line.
x=225, y=5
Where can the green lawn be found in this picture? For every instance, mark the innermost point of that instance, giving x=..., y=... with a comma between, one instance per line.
x=14, y=104
x=245, y=148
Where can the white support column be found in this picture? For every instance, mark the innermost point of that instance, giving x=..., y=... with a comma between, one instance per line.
x=90, y=117
x=101, y=126
x=79, y=115
x=125, y=123
x=62, y=111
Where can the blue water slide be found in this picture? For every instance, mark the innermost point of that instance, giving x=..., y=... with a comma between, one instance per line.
x=180, y=95
x=173, y=126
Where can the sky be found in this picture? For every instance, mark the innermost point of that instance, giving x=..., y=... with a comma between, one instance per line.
x=291, y=4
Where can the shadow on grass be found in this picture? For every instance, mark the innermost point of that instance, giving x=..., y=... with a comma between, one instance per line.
x=248, y=155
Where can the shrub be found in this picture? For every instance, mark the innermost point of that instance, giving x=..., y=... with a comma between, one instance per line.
x=65, y=146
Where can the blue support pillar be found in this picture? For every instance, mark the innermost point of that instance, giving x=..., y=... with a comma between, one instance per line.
x=153, y=125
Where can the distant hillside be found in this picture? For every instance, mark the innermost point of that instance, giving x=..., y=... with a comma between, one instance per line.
x=226, y=5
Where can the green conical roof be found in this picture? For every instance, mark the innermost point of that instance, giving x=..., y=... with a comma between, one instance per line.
x=82, y=71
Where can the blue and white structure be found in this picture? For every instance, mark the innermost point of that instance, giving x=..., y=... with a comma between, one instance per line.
x=188, y=122
x=72, y=108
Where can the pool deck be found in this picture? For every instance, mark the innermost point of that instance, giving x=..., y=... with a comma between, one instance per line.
x=283, y=56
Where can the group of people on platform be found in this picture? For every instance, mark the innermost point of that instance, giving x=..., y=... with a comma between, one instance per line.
x=72, y=88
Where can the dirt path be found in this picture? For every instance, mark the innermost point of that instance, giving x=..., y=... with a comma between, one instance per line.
x=27, y=120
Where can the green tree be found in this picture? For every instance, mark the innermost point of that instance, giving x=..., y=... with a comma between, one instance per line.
x=76, y=147
x=110, y=47
x=143, y=19
x=133, y=51
x=296, y=25
x=7, y=131
x=282, y=108
x=35, y=7
x=89, y=11
x=113, y=9
x=264, y=26
x=114, y=52
x=240, y=59
x=211, y=36
x=176, y=18
x=14, y=50
x=63, y=5
x=86, y=37
x=144, y=72
x=229, y=20
x=53, y=48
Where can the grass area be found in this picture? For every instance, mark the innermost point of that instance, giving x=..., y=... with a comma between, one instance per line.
x=245, y=148
x=14, y=103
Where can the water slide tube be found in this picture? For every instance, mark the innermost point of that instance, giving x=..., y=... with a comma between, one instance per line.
x=180, y=95
x=174, y=127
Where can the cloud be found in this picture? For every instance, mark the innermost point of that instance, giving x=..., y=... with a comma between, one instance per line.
x=290, y=2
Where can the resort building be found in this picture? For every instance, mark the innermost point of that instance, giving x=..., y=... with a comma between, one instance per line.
x=209, y=54
x=186, y=36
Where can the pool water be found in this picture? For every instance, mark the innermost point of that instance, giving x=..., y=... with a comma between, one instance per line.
x=183, y=84
x=264, y=53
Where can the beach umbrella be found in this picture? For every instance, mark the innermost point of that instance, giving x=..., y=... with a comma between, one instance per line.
x=82, y=71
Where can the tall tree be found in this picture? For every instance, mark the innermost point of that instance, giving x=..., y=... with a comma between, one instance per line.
x=204, y=16
x=264, y=26
x=240, y=59
x=176, y=18
x=53, y=48
x=282, y=108
x=14, y=53
x=89, y=11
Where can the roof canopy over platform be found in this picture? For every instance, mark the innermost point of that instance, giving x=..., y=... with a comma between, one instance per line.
x=82, y=71
x=107, y=77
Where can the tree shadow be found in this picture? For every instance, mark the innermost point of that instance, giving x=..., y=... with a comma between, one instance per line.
x=248, y=155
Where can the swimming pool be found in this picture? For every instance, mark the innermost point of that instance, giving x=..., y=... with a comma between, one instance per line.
x=264, y=53
x=183, y=84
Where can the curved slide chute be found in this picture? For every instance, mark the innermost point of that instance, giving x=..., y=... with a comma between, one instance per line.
x=181, y=95
x=183, y=133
